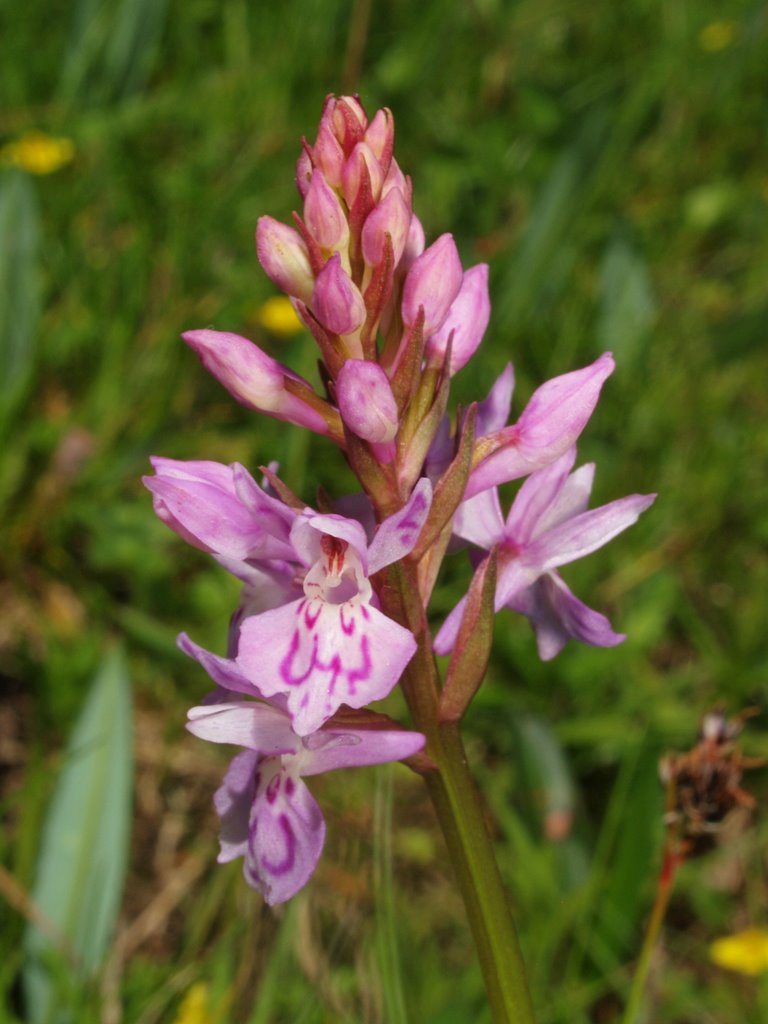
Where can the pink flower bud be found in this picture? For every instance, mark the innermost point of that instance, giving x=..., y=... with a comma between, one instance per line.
x=396, y=179
x=324, y=216
x=467, y=319
x=391, y=216
x=336, y=301
x=360, y=159
x=414, y=243
x=349, y=121
x=328, y=155
x=380, y=136
x=254, y=378
x=366, y=402
x=432, y=282
x=284, y=258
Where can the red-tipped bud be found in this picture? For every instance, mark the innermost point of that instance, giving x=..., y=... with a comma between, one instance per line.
x=361, y=159
x=349, y=121
x=336, y=301
x=380, y=136
x=328, y=155
x=324, y=216
x=284, y=258
x=466, y=321
x=391, y=217
x=433, y=283
x=366, y=402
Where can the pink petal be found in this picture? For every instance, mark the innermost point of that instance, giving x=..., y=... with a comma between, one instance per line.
x=479, y=519
x=493, y=411
x=557, y=616
x=259, y=727
x=233, y=800
x=224, y=671
x=397, y=535
x=322, y=655
x=587, y=532
x=287, y=832
x=535, y=497
x=330, y=748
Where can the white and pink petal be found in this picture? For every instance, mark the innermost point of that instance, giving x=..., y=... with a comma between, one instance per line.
x=286, y=835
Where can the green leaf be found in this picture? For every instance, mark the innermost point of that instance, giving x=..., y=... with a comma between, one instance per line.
x=19, y=285
x=84, y=849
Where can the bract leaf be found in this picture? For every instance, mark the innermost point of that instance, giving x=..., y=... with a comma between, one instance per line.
x=473, y=644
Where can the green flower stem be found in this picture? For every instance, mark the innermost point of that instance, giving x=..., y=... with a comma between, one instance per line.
x=663, y=891
x=459, y=811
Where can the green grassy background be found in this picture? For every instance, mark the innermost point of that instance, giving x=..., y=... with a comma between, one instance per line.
x=611, y=167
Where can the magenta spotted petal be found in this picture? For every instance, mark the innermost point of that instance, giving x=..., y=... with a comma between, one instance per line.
x=286, y=834
x=322, y=655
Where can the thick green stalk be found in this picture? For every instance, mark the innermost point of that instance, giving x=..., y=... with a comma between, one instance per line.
x=459, y=811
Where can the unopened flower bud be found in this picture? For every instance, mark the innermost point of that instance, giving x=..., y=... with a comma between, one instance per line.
x=284, y=258
x=324, y=216
x=328, y=155
x=466, y=321
x=366, y=402
x=433, y=283
x=361, y=159
x=380, y=136
x=336, y=301
x=255, y=379
x=391, y=217
x=414, y=243
x=349, y=121
x=396, y=179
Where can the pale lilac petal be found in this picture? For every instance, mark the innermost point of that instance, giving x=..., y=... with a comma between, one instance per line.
x=332, y=748
x=479, y=519
x=572, y=499
x=233, y=801
x=199, y=502
x=397, y=535
x=587, y=532
x=446, y=635
x=493, y=412
x=287, y=832
x=223, y=671
x=557, y=616
x=323, y=655
x=274, y=517
x=535, y=497
x=258, y=727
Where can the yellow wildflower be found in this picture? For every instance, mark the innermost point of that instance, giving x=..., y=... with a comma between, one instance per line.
x=194, y=1006
x=745, y=952
x=278, y=316
x=717, y=36
x=38, y=153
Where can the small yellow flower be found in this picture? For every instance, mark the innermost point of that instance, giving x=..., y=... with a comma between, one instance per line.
x=194, y=1006
x=278, y=316
x=717, y=36
x=38, y=153
x=745, y=952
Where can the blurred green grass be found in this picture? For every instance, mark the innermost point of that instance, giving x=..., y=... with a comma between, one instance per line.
x=611, y=166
